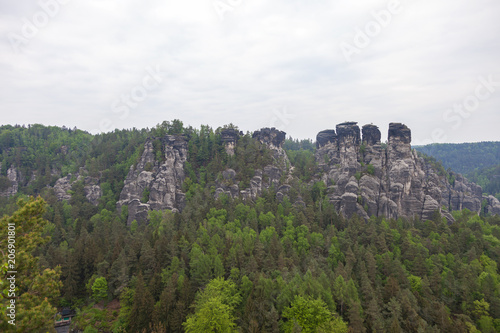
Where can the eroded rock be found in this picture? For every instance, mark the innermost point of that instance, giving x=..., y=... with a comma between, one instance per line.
x=153, y=184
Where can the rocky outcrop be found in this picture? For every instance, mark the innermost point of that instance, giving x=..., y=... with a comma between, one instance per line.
x=270, y=136
x=63, y=186
x=325, y=137
x=274, y=139
x=93, y=191
x=271, y=176
x=13, y=177
x=492, y=205
x=155, y=185
x=365, y=179
x=230, y=137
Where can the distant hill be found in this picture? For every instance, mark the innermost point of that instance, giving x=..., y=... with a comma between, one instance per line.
x=488, y=179
x=464, y=157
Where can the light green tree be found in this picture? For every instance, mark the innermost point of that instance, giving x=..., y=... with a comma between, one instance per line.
x=100, y=289
x=214, y=308
x=311, y=316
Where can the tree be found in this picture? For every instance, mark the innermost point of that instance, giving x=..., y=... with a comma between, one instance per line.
x=142, y=309
x=214, y=308
x=311, y=315
x=212, y=316
x=36, y=289
x=100, y=289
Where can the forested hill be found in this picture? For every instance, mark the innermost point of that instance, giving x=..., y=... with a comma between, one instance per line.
x=177, y=229
x=479, y=162
x=464, y=157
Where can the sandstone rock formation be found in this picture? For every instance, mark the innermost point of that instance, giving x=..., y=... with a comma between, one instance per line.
x=154, y=185
x=93, y=191
x=230, y=137
x=269, y=176
x=492, y=205
x=366, y=179
x=13, y=176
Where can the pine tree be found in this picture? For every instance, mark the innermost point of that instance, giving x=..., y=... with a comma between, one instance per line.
x=36, y=288
x=142, y=309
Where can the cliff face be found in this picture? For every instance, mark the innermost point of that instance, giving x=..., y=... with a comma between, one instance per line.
x=154, y=185
x=366, y=179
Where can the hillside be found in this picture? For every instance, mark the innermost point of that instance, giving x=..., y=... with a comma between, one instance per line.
x=177, y=229
x=488, y=179
x=464, y=158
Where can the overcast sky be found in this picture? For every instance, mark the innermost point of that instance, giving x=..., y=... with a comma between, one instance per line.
x=301, y=66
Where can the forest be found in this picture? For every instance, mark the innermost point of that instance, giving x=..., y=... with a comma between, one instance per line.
x=479, y=162
x=229, y=265
x=464, y=158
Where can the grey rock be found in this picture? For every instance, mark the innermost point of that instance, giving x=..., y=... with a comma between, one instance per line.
x=229, y=174
x=274, y=175
x=270, y=136
x=162, y=180
x=62, y=187
x=400, y=184
x=13, y=176
x=325, y=137
x=92, y=189
x=371, y=135
x=93, y=193
x=230, y=137
x=492, y=205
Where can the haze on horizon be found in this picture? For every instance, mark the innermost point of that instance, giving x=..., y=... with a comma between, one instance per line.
x=299, y=66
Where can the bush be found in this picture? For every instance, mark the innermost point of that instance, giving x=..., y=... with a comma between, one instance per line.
x=370, y=169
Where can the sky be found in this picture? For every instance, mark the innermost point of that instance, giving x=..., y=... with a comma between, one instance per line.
x=299, y=66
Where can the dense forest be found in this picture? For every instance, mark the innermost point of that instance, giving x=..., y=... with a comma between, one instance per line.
x=488, y=178
x=479, y=162
x=229, y=265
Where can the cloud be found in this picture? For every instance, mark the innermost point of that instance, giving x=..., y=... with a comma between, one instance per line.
x=261, y=59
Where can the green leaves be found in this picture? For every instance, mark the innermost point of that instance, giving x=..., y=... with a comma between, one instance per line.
x=36, y=288
x=311, y=316
x=100, y=289
x=214, y=308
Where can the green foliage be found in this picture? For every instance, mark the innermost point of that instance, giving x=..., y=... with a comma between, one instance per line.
x=100, y=289
x=148, y=167
x=488, y=178
x=4, y=183
x=318, y=191
x=305, y=144
x=145, y=195
x=370, y=169
x=304, y=163
x=37, y=288
x=311, y=315
x=464, y=157
x=214, y=308
x=286, y=265
x=436, y=165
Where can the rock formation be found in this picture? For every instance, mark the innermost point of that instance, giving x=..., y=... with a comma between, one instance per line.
x=152, y=184
x=93, y=191
x=269, y=176
x=13, y=176
x=362, y=176
x=492, y=205
x=366, y=179
x=230, y=137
